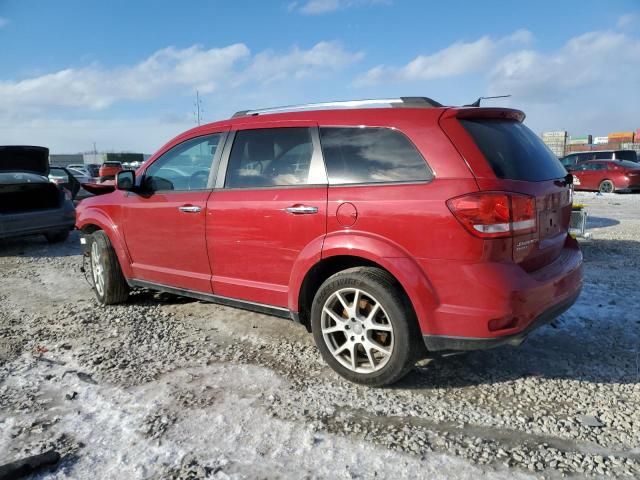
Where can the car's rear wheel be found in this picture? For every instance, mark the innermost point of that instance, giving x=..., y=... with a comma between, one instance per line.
x=108, y=282
x=365, y=327
x=606, y=186
x=57, y=236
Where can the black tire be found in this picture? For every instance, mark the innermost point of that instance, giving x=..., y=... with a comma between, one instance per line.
x=57, y=236
x=407, y=339
x=606, y=186
x=114, y=286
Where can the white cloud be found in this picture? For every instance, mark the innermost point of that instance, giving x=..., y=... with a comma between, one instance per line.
x=95, y=87
x=588, y=85
x=269, y=66
x=627, y=20
x=4, y=22
x=459, y=58
x=600, y=59
x=68, y=109
x=320, y=7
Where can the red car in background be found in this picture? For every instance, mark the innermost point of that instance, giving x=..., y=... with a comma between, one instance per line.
x=390, y=233
x=108, y=170
x=607, y=176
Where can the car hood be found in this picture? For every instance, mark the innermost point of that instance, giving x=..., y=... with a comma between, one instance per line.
x=21, y=158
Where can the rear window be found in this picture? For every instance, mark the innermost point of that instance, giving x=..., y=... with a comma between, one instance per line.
x=513, y=151
x=371, y=155
x=111, y=164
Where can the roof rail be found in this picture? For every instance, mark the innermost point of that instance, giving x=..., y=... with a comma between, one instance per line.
x=402, y=102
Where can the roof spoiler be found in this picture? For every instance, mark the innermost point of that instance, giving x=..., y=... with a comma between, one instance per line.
x=486, y=112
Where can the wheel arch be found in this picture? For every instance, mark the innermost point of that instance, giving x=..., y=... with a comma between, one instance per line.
x=98, y=220
x=364, y=252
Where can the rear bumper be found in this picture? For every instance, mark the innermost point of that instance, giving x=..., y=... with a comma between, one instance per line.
x=485, y=304
x=443, y=344
x=38, y=221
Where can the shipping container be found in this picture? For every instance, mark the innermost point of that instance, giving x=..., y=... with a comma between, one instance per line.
x=580, y=140
x=578, y=148
x=621, y=137
x=557, y=133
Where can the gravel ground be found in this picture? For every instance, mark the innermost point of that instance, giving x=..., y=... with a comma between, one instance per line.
x=165, y=387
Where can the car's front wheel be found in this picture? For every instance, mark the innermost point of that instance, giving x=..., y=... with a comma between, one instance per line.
x=108, y=282
x=365, y=327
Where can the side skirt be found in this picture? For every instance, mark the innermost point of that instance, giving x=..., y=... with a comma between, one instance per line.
x=209, y=297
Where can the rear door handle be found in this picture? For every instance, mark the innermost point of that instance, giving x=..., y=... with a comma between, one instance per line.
x=301, y=210
x=189, y=209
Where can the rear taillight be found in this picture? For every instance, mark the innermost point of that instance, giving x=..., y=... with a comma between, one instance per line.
x=495, y=214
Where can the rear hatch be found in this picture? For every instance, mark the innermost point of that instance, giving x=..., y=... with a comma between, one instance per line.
x=22, y=158
x=506, y=156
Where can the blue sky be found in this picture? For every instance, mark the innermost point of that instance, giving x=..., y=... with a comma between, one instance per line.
x=124, y=73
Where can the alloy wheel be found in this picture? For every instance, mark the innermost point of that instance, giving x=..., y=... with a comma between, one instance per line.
x=357, y=330
x=606, y=187
x=97, y=270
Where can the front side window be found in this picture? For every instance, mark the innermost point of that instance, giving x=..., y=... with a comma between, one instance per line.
x=270, y=157
x=371, y=155
x=185, y=167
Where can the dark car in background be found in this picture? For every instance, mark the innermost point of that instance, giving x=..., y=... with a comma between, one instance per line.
x=31, y=203
x=575, y=158
x=606, y=176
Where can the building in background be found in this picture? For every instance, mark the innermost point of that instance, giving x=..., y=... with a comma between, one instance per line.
x=556, y=141
x=560, y=143
x=64, y=160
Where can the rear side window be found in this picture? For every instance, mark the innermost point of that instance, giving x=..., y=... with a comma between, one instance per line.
x=371, y=155
x=270, y=157
x=630, y=155
x=513, y=151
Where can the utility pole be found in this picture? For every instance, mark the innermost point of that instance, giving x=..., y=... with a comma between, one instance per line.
x=198, y=111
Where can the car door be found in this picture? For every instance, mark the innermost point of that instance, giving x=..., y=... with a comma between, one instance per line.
x=268, y=210
x=164, y=222
x=61, y=176
x=592, y=175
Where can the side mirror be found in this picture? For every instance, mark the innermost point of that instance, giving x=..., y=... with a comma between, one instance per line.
x=126, y=180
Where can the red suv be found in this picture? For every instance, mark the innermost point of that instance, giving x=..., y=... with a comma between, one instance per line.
x=390, y=233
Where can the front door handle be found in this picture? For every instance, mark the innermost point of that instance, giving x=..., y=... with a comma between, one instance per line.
x=301, y=210
x=189, y=209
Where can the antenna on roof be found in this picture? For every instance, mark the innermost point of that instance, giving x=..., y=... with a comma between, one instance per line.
x=477, y=102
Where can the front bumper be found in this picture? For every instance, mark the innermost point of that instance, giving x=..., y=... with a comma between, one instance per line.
x=443, y=344
x=38, y=221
